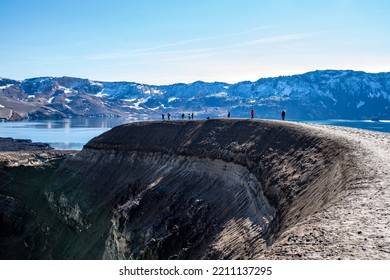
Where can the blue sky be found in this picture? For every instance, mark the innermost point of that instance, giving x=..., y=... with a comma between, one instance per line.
x=169, y=41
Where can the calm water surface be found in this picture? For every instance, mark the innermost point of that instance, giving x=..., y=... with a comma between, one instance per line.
x=382, y=126
x=72, y=134
x=66, y=134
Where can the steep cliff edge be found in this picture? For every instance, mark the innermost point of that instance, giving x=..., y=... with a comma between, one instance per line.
x=196, y=189
x=27, y=225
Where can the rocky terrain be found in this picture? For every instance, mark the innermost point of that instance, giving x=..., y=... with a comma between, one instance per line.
x=215, y=189
x=17, y=152
x=314, y=95
x=23, y=210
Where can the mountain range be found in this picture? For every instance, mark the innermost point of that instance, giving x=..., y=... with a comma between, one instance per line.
x=321, y=94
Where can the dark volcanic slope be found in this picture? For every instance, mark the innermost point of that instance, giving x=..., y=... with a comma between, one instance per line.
x=25, y=216
x=195, y=189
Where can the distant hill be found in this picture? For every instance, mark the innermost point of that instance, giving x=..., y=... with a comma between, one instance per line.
x=313, y=95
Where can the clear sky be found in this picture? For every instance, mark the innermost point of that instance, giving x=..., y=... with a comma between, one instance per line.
x=169, y=41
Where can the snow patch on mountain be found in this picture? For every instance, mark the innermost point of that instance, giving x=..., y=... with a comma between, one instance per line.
x=219, y=94
x=6, y=86
x=129, y=100
x=171, y=99
x=101, y=94
x=93, y=83
x=360, y=104
x=135, y=103
x=158, y=108
x=65, y=89
x=152, y=91
x=141, y=100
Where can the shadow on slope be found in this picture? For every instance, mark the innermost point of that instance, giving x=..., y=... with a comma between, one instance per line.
x=197, y=189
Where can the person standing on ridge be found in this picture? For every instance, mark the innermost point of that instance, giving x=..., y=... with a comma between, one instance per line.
x=192, y=116
x=228, y=114
x=252, y=113
x=162, y=116
x=182, y=116
x=169, y=116
x=283, y=114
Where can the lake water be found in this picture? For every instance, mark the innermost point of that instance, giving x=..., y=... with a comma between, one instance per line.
x=66, y=134
x=382, y=126
x=72, y=134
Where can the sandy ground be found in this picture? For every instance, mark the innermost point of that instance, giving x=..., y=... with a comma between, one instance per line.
x=358, y=226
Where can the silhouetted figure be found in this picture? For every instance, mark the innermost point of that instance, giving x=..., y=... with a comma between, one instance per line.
x=189, y=116
x=228, y=114
x=182, y=116
x=283, y=115
x=162, y=116
x=169, y=116
x=252, y=113
x=192, y=116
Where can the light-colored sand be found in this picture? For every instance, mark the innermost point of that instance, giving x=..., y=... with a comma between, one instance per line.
x=358, y=226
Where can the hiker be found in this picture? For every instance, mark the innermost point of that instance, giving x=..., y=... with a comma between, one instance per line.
x=283, y=114
x=162, y=116
x=253, y=113
x=228, y=114
x=189, y=116
x=182, y=116
x=192, y=116
x=169, y=116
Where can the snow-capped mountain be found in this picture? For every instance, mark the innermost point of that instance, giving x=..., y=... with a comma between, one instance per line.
x=314, y=95
x=322, y=95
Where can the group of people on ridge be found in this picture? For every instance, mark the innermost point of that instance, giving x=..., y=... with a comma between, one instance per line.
x=191, y=116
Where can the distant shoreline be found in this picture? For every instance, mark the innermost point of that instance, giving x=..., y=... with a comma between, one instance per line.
x=16, y=152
